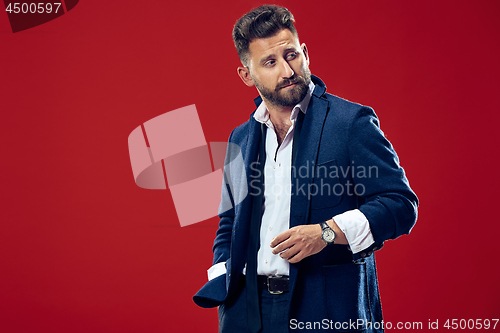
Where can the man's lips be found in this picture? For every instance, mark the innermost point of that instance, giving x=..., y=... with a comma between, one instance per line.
x=290, y=85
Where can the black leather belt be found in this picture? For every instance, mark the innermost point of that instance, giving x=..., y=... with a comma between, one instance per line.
x=276, y=285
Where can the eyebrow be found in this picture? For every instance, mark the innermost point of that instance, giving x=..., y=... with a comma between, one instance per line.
x=273, y=55
x=264, y=60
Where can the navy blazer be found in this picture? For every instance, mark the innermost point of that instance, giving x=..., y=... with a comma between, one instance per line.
x=347, y=163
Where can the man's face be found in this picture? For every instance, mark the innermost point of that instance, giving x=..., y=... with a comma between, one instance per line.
x=279, y=68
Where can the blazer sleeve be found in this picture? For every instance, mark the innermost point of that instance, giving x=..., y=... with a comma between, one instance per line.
x=386, y=200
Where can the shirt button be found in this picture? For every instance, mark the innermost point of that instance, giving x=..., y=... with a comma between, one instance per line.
x=270, y=228
x=266, y=261
x=278, y=197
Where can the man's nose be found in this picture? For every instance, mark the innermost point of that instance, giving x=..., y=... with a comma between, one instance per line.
x=286, y=70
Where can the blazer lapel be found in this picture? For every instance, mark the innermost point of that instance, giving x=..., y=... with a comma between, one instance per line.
x=253, y=143
x=305, y=158
x=304, y=163
x=239, y=241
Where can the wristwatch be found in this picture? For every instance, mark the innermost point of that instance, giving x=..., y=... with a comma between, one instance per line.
x=327, y=234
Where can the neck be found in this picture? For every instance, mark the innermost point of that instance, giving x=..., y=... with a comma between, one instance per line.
x=280, y=117
x=279, y=114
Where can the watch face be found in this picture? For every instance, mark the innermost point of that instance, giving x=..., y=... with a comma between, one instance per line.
x=328, y=235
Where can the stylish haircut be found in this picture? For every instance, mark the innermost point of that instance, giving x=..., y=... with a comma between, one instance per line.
x=262, y=22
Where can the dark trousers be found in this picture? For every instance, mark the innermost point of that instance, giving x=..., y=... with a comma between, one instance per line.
x=274, y=313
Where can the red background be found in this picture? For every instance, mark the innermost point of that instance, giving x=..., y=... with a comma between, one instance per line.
x=83, y=249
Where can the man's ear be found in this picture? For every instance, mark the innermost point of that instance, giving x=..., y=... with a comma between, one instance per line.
x=244, y=74
x=305, y=51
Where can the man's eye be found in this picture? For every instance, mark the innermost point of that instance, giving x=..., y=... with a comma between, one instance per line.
x=269, y=63
x=291, y=56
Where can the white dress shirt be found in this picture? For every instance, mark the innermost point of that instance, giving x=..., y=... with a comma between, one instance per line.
x=277, y=197
x=277, y=188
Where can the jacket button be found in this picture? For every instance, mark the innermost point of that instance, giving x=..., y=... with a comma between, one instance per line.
x=363, y=255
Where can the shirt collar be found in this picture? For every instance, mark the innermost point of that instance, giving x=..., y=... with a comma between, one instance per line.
x=262, y=114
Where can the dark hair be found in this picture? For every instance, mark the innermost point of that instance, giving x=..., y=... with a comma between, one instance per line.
x=261, y=22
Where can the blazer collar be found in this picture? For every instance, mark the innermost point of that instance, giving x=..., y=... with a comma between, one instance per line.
x=320, y=88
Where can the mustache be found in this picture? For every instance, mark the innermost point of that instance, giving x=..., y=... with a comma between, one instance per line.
x=286, y=82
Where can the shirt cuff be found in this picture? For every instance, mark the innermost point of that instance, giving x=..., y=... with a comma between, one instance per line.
x=216, y=270
x=356, y=228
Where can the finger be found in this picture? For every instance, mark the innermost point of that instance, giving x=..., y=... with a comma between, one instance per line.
x=290, y=252
x=296, y=258
x=283, y=246
x=280, y=238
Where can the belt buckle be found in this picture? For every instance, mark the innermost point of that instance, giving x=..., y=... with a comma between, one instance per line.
x=268, y=288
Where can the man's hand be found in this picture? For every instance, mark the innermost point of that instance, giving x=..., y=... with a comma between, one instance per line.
x=304, y=240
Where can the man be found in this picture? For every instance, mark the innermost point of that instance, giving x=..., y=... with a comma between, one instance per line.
x=326, y=190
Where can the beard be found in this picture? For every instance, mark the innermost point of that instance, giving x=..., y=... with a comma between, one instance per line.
x=289, y=97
